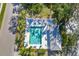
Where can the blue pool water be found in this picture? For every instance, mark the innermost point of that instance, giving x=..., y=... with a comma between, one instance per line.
x=35, y=35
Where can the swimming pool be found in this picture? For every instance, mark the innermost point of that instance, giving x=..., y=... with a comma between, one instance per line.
x=35, y=35
x=42, y=33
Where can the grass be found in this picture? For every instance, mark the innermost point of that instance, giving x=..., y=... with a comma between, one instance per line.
x=2, y=13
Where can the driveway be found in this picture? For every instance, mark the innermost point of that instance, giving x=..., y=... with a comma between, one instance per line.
x=7, y=39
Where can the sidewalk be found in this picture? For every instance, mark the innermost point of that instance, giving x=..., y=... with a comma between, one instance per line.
x=6, y=38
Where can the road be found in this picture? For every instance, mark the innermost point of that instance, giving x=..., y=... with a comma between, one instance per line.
x=7, y=39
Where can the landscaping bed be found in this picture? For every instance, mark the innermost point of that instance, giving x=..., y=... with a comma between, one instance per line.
x=32, y=52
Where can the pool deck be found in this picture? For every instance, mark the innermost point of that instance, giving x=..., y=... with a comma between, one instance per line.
x=51, y=38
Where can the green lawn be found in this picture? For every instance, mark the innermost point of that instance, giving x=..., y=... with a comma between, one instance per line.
x=2, y=13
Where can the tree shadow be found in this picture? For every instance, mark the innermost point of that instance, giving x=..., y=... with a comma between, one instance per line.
x=13, y=24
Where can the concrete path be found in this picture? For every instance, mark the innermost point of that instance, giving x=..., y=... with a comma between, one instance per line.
x=7, y=39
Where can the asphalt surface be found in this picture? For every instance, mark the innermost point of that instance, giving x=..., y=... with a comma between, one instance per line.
x=7, y=39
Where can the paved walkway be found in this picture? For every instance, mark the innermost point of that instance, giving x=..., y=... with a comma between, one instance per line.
x=6, y=38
